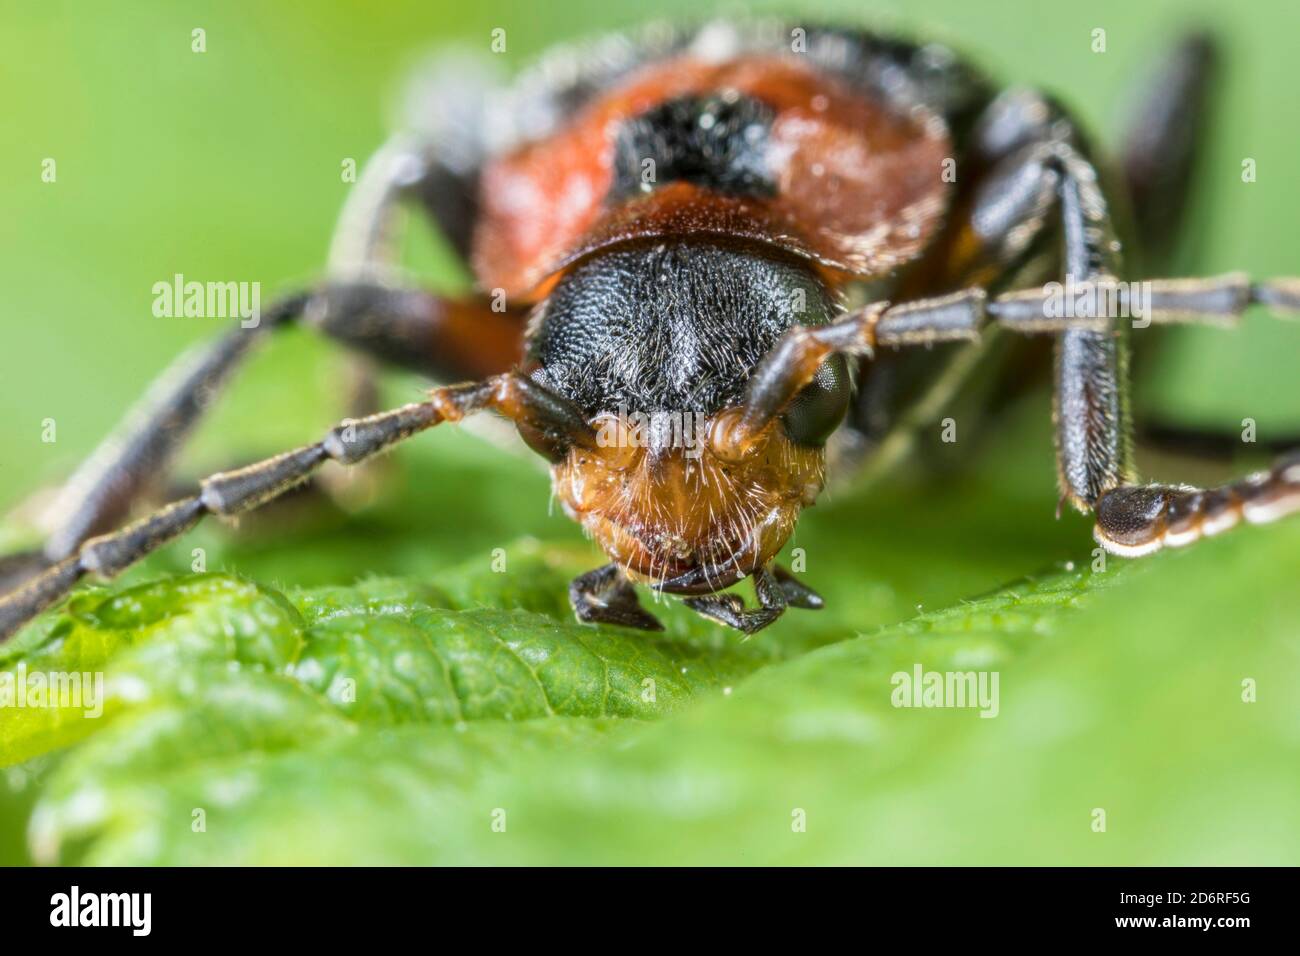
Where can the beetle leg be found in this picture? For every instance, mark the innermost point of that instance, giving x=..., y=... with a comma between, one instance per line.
x=1093, y=429
x=1091, y=408
x=730, y=610
x=415, y=329
x=134, y=455
x=796, y=593
x=1093, y=448
x=1133, y=520
x=404, y=169
x=231, y=493
x=364, y=241
x=433, y=165
x=605, y=596
x=1208, y=444
x=1163, y=143
x=448, y=339
x=445, y=339
x=21, y=566
x=434, y=168
x=1093, y=432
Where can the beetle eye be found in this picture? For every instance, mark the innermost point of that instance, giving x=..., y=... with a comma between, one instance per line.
x=820, y=407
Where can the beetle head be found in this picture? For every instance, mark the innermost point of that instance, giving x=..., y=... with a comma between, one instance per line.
x=654, y=341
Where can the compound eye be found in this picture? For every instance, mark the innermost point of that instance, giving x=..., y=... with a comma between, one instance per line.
x=820, y=407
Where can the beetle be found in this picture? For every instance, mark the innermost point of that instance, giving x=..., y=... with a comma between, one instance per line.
x=744, y=228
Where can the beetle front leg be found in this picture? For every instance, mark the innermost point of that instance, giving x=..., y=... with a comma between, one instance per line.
x=797, y=594
x=1090, y=387
x=401, y=326
x=730, y=610
x=1134, y=520
x=138, y=453
x=1093, y=428
x=606, y=596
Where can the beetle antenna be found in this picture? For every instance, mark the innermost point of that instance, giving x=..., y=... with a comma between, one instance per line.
x=232, y=493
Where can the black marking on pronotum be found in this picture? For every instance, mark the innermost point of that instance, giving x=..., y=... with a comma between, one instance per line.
x=718, y=142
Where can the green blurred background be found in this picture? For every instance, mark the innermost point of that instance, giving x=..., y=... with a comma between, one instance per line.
x=225, y=166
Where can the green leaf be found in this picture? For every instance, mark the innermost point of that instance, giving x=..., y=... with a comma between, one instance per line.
x=160, y=631
x=214, y=687
x=1111, y=696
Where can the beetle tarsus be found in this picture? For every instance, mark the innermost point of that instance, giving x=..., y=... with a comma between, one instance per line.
x=605, y=596
x=730, y=610
x=797, y=594
x=1134, y=520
